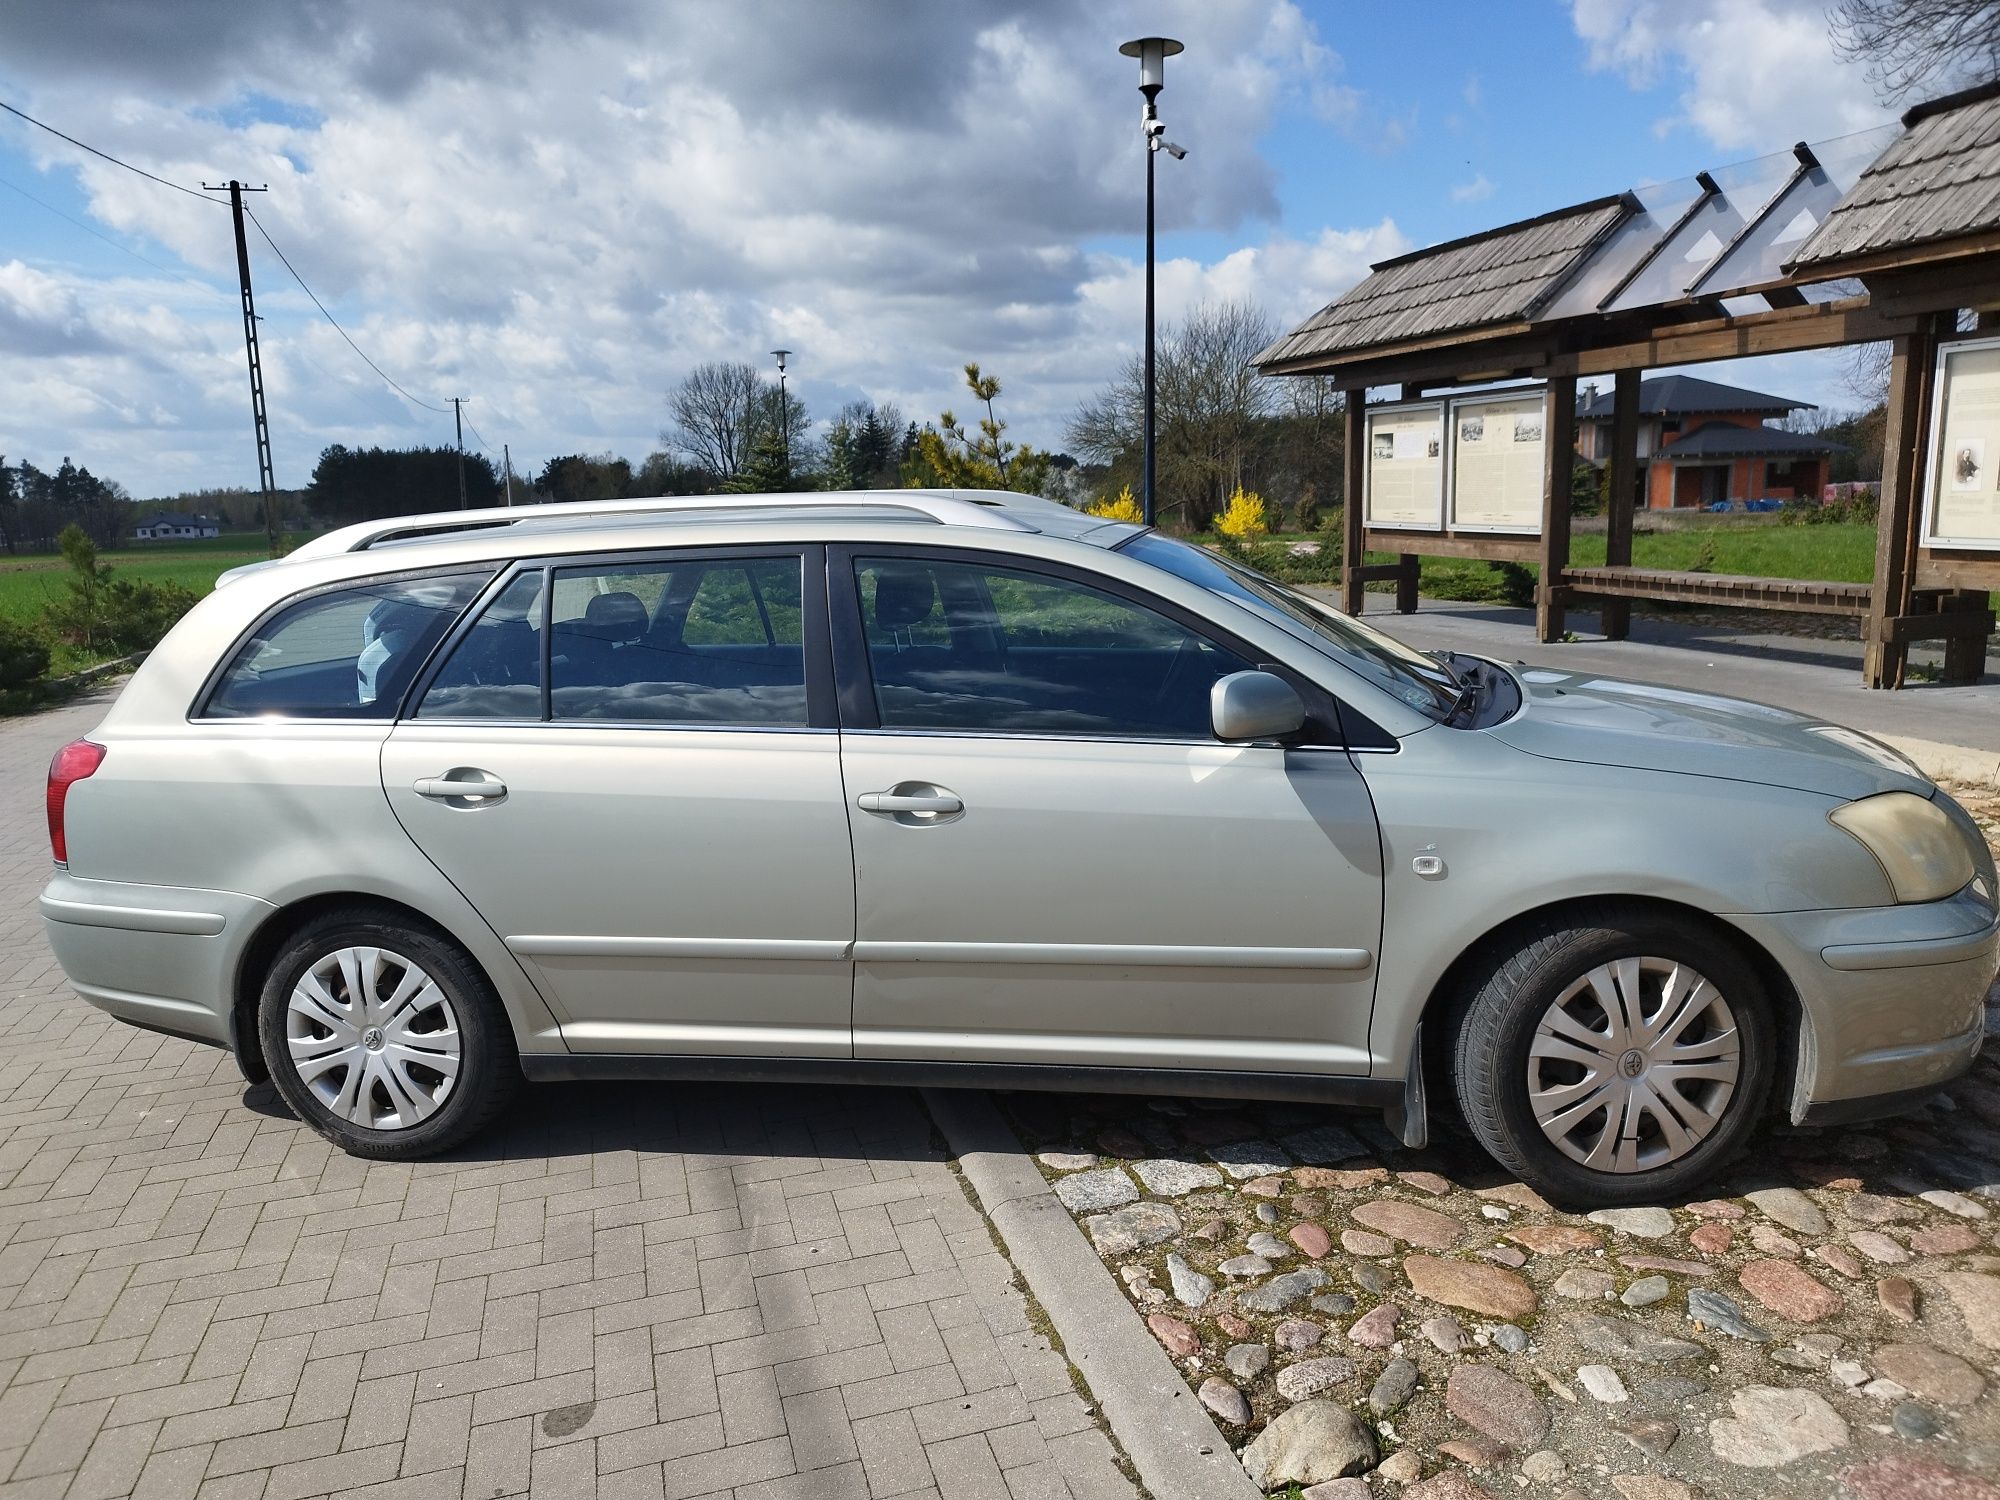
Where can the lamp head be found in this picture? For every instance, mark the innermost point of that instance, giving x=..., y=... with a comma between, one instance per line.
x=1152, y=52
x=783, y=355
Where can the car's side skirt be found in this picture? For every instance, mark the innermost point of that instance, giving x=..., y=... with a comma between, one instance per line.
x=1311, y=1088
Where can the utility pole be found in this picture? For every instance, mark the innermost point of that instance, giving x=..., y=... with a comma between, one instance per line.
x=458, y=422
x=507, y=467
x=264, y=479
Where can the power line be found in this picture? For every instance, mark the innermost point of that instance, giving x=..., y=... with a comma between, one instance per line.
x=126, y=249
x=476, y=438
x=331, y=319
x=81, y=146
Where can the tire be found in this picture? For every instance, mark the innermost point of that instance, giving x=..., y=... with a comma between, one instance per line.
x=437, y=1070
x=1646, y=1112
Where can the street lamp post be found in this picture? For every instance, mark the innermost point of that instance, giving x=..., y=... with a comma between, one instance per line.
x=784, y=411
x=1152, y=52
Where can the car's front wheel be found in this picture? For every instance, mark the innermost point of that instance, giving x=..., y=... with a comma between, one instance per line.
x=384, y=1037
x=1618, y=1059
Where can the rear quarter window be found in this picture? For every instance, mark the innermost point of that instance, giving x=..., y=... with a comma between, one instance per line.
x=346, y=653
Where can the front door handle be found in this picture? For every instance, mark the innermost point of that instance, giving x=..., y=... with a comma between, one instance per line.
x=462, y=784
x=914, y=804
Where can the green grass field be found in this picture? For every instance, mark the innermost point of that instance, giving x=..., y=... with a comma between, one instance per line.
x=1838, y=554
x=29, y=581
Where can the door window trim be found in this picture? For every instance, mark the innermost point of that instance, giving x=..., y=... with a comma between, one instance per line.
x=821, y=711
x=854, y=669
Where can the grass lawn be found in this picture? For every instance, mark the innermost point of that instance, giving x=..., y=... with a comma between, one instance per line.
x=1837, y=553
x=28, y=581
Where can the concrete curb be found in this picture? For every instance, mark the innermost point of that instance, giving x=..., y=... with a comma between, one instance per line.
x=1980, y=768
x=1179, y=1453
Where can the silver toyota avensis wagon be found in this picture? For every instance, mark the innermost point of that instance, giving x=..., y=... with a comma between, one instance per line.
x=973, y=789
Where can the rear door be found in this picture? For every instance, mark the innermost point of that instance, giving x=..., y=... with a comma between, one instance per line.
x=1055, y=860
x=629, y=765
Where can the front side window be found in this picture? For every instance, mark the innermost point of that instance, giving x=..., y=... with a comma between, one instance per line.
x=343, y=654
x=714, y=641
x=963, y=646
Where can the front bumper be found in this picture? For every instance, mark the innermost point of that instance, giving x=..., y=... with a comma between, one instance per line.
x=1894, y=1000
x=160, y=957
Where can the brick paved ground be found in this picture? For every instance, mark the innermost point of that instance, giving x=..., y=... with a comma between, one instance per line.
x=631, y=1291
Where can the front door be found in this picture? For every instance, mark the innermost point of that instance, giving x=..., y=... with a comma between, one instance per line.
x=1055, y=860
x=630, y=768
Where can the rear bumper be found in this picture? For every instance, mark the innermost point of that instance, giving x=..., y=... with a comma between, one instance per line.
x=160, y=957
x=1894, y=1000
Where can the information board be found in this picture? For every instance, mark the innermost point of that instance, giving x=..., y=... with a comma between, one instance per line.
x=1962, y=497
x=1405, y=490
x=1497, y=461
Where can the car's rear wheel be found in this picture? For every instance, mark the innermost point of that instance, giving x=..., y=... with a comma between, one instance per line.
x=1619, y=1059
x=384, y=1037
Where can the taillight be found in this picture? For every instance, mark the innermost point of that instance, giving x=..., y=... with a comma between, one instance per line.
x=73, y=762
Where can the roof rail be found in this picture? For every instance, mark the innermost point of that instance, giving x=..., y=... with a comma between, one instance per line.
x=947, y=507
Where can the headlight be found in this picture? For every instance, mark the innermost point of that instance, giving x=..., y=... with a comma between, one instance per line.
x=1923, y=855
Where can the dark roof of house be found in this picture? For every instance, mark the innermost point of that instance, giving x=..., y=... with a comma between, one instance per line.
x=176, y=518
x=1938, y=181
x=1500, y=276
x=1675, y=395
x=1727, y=440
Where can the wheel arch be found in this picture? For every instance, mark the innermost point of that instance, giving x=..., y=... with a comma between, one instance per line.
x=272, y=933
x=1445, y=1008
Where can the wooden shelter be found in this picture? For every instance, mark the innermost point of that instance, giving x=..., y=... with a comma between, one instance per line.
x=1889, y=235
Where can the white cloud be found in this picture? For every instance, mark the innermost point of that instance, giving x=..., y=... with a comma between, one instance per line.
x=558, y=216
x=1476, y=191
x=1753, y=75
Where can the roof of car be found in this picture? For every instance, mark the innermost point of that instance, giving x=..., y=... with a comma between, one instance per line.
x=980, y=510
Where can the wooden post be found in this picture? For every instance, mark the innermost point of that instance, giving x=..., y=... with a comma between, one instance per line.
x=1354, y=461
x=1558, y=459
x=1615, y=616
x=1965, y=654
x=1904, y=443
x=1407, y=565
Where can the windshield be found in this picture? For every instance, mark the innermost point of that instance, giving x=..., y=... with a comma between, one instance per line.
x=1422, y=682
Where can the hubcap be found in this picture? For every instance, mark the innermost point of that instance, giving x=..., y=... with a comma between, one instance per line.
x=1634, y=1065
x=373, y=1037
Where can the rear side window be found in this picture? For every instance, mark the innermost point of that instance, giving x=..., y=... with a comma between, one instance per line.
x=706, y=641
x=495, y=669
x=344, y=654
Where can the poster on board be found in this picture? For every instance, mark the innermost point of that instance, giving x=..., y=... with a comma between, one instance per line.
x=1496, y=462
x=1962, y=498
x=1405, y=468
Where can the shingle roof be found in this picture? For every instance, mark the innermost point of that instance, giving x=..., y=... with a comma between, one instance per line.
x=1727, y=440
x=1500, y=276
x=1668, y=395
x=1938, y=181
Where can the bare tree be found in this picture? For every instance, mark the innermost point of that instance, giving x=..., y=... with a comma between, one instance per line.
x=1911, y=46
x=717, y=410
x=1209, y=401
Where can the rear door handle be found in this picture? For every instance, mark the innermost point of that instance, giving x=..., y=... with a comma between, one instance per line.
x=913, y=803
x=461, y=784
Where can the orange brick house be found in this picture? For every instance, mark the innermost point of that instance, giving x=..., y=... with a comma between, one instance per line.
x=1701, y=442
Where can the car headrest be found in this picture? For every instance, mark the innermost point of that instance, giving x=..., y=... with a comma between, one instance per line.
x=903, y=596
x=617, y=616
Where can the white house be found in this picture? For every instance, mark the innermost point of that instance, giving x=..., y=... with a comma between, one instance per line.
x=175, y=527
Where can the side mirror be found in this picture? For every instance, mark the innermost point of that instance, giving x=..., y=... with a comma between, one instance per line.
x=1254, y=706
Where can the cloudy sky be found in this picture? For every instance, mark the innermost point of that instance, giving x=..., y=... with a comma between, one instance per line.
x=556, y=210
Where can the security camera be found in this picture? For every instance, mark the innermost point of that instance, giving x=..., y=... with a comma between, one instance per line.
x=1152, y=124
x=1178, y=153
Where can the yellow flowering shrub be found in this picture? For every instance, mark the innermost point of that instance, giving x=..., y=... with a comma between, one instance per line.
x=1120, y=507
x=1244, y=515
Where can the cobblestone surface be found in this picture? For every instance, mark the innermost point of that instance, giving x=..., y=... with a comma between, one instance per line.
x=1824, y=1322
x=634, y=1291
